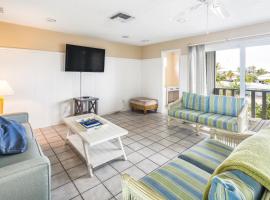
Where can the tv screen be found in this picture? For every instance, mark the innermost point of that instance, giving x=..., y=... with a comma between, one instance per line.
x=84, y=59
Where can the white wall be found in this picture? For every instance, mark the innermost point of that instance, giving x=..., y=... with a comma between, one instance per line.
x=44, y=90
x=152, y=80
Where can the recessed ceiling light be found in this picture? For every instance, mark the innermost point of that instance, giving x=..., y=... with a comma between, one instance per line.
x=125, y=36
x=144, y=41
x=51, y=20
x=181, y=20
x=1, y=10
x=122, y=17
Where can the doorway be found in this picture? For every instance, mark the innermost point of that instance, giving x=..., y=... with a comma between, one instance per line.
x=171, y=76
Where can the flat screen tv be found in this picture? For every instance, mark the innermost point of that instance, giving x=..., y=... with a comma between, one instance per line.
x=84, y=59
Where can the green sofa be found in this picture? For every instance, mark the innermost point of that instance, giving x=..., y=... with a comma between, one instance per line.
x=25, y=176
x=224, y=113
x=189, y=176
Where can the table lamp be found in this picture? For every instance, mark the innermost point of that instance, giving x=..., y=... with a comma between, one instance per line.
x=5, y=90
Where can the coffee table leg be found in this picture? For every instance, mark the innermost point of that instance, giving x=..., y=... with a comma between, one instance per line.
x=68, y=134
x=122, y=148
x=87, y=158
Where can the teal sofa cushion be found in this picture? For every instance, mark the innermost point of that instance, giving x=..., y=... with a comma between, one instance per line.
x=219, y=121
x=178, y=180
x=207, y=155
x=225, y=105
x=234, y=185
x=195, y=102
x=186, y=114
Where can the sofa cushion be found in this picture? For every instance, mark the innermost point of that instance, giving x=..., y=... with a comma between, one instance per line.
x=207, y=154
x=186, y=114
x=178, y=180
x=234, y=185
x=226, y=105
x=188, y=100
x=202, y=103
x=195, y=102
x=219, y=121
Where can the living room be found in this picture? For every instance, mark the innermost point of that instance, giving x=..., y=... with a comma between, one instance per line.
x=142, y=123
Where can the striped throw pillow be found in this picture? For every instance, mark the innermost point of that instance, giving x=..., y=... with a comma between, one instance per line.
x=235, y=185
x=225, y=105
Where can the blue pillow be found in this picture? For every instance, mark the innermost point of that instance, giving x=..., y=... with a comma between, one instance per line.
x=13, y=137
x=234, y=185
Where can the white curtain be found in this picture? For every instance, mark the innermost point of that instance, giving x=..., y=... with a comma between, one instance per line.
x=197, y=70
x=210, y=71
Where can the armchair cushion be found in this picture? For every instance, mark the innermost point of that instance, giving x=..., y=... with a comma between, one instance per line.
x=186, y=114
x=219, y=121
x=207, y=155
x=234, y=185
x=178, y=180
x=226, y=105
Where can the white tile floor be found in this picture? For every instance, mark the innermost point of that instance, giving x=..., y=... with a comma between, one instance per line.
x=149, y=145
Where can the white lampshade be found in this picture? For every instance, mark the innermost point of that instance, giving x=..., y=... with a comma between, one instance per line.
x=5, y=88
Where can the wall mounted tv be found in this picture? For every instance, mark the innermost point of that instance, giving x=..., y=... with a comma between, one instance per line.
x=84, y=59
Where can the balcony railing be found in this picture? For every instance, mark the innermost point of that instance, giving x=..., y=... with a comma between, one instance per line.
x=262, y=93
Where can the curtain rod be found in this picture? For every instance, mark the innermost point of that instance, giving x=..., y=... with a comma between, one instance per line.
x=230, y=39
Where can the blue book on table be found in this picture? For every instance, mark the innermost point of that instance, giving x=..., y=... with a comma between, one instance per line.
x=90, y=123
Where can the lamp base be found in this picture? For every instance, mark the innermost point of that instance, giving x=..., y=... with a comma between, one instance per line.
x=1, y=105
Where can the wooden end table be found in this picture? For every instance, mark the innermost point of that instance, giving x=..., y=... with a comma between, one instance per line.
x=84, y=105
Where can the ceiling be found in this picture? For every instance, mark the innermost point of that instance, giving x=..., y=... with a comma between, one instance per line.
x=153, y=18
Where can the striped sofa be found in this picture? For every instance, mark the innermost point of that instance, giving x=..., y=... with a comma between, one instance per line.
x=223, y=113
x=186, y=178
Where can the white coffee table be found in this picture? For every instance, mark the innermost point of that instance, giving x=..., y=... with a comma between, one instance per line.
x=95, y=145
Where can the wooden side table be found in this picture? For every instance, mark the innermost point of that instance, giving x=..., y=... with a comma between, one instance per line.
x=84, y=105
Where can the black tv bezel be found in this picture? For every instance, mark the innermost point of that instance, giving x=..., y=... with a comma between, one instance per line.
x=75, y=70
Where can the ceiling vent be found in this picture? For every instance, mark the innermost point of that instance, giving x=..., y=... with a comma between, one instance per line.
x=122, y=17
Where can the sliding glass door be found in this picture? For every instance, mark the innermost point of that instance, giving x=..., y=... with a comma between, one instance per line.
x=257, y=80
x=228, y=69
x=243, y=70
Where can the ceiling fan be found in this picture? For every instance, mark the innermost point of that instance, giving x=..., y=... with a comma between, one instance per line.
x=215, y=6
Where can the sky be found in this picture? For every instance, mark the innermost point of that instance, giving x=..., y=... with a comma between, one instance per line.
x=258, y=56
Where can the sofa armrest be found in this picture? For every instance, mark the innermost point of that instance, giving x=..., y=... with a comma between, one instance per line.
x=132, y=189
x=174, y=104
x=29, y=179
x=242, y=119
x=18, y=117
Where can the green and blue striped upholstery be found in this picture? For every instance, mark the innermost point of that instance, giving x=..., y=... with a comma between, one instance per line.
x=202, y=103
x=234, y=185
x=195, y=102
x=186, y=114
x=207, y=155
x=188, y=100
x=219, y=121
x=225, y=105
x=178, y=180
